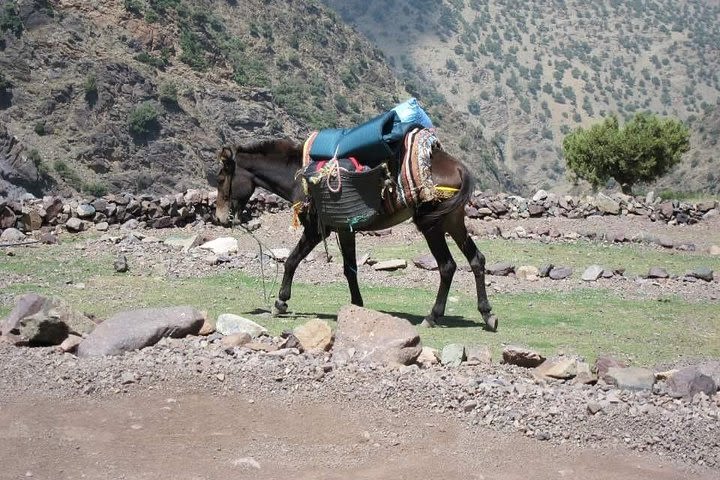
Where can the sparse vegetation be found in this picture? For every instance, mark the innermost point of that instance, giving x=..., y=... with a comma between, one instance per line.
x=143, y=120
x=10, y=21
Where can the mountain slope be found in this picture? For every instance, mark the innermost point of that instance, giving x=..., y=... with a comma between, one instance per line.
x=138, y=95
x=529, y=72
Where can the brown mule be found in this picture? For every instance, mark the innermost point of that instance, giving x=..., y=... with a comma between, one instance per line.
x=273, y=165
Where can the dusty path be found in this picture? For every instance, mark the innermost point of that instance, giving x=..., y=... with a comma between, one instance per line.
x=154, y=434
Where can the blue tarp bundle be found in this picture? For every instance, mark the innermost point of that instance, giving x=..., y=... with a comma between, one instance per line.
x=373, y=141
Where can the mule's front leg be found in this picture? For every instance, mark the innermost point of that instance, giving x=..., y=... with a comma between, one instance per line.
x=347, y=248
x=309, y=240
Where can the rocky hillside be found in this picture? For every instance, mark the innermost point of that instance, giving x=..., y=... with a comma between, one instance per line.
x=138, y=95
x=528, y=73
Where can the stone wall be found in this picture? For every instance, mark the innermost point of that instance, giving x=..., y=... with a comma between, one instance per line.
x=198, y=205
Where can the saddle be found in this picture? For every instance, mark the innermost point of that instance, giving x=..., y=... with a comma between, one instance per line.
x=353, y=176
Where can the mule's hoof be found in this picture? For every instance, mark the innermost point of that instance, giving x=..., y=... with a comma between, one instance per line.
x=279, y=308
x=491, y=323
x=428, y=323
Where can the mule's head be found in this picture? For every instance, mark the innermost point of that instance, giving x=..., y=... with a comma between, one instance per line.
x=224, y=203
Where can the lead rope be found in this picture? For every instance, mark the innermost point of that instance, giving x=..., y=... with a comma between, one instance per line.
x=262, y=263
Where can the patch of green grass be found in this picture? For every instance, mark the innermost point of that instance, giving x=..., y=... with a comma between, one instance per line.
x=584, y=321
x=635, y=258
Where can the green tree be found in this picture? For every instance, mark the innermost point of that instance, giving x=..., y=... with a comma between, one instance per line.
x=643, y=149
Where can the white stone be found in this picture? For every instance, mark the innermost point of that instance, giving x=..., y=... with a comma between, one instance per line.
x=221, y=246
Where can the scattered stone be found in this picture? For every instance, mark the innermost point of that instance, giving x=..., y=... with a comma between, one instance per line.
x=121, y=264
x=606, y=204
x=85, y=211
x=657, y=272
x=365, y=335
x=478, y=355
x=500, y=269
x=185, y=243
x=426, y=262
x=714, y=250
x=41, y=320
x=604, y=362
x=229, y=323
x=49, y=239
x=702, y=273
x=592, y=273
x=12, y=235
x=452, y=355
x=689, y=381
x=136, y=329
x=428, y=357
x=314, y=336
x=594, y=407
x=208, y=326
x=70, y=344
x=630, y=378
x=560, y=273
x=74, y=225
x=102, y=226
x=522, y=357
x=560, y=368
x=544, y=270
x=221, y=246
x=528, y=273
x=390, y=265
x=235, y=340
x=280, y=254
x=584, y=375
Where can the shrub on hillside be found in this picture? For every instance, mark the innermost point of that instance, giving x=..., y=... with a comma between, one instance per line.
x=643, y=149
x=143, y=120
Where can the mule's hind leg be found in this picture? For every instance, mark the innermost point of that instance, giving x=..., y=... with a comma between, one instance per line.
x=347, y=248
x=455, y=225
x=309, y=240
x=435, y=237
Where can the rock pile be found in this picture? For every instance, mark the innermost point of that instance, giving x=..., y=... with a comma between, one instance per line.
x=198, y=205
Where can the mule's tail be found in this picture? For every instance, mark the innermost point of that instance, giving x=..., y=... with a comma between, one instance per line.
x=432, y=213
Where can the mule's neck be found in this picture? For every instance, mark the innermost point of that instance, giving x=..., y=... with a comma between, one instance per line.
x=277, y=174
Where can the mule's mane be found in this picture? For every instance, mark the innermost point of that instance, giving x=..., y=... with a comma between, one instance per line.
x=268, y=146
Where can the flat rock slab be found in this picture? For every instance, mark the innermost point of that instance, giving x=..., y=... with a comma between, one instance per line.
x=500, y=269
x=631, y=378
x=390, y=265
x=367, y=336
x=135, y=329
x=522, y=357
x=229, y=323
x=221, y=246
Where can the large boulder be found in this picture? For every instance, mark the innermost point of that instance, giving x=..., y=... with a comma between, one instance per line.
x=689, y=381
x=365, y=335
x=135, y=329
x=39, y=320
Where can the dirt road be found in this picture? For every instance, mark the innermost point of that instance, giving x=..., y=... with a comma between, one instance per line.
x=156, y=434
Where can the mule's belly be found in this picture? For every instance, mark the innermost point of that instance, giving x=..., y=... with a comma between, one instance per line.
x=388, y=221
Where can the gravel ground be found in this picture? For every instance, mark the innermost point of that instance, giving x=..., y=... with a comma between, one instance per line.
x=484, y=401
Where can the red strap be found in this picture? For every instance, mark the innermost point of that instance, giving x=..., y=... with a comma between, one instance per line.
x=356, y=164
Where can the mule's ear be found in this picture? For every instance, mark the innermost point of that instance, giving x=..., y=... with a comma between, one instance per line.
x=226, y=157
